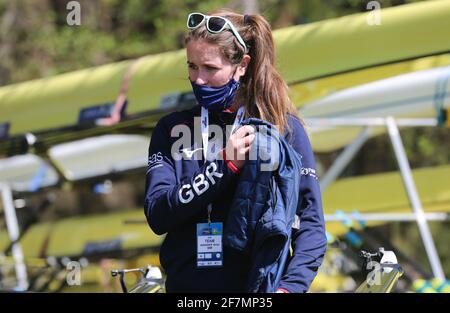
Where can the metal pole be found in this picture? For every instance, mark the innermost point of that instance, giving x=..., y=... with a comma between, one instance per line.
x=414, y=197
x=344, y=158
x=386, y=217
x=13, y=231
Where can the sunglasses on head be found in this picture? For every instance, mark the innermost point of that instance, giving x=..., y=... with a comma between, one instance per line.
x=215, y=25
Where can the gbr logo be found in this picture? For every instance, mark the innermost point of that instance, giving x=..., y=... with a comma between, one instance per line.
x=200, y=184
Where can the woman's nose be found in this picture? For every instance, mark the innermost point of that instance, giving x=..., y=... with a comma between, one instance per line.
x=201, y=79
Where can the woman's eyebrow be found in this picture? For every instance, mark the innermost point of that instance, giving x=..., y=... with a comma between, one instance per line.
x=211, y=64
x=207, y=63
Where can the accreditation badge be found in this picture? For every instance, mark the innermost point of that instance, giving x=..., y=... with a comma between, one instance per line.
x=209, y=245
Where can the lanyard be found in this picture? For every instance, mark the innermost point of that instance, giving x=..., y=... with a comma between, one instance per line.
x=205, y=134
x=205, y=126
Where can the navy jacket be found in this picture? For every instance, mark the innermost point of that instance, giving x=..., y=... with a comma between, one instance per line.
x=176, y=199
x=264, y=206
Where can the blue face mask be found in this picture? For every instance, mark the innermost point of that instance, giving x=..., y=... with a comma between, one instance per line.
x=215, y=98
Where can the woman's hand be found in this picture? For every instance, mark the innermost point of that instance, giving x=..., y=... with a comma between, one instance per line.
x=239, y=145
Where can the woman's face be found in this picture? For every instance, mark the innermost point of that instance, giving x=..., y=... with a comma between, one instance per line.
x=207, y=66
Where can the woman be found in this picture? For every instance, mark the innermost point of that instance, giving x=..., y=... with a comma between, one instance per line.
x=230, y=60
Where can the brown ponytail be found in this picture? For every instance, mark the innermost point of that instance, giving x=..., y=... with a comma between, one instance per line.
x=263, y=90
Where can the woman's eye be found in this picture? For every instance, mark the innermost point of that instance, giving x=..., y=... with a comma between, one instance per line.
x=192, y=66
x=212, y=68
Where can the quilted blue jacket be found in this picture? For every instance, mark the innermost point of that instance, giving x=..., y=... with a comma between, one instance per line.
x=264, y=205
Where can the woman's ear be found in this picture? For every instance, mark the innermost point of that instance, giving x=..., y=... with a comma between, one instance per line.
x=242, y=67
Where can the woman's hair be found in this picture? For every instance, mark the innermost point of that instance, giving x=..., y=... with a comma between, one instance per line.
x=263, y=90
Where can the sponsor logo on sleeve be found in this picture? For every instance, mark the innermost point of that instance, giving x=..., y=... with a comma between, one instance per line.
x=307, y=171
x=155, y=160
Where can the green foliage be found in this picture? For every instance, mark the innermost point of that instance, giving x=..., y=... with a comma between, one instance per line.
x=110, y=31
